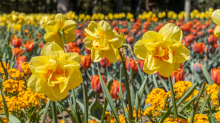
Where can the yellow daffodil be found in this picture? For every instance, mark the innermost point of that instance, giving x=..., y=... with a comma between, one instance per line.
x=162, y=51
x=102, y=41
x=216, y=18
x=53, y=27
x=54, y=72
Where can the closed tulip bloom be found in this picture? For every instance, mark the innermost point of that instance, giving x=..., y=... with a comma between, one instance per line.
x=216, y=18
x=198, y=67
x=206, y=50
x=215, y=74
x=179, y=75
x=104, y=62
x=54, y=72
x=16, y=42
x=115, y=89
x=53, y=27
x=212, y=39
x=29, y=46
x=96, y=85
x=20, y=59
x=85, y=61
x=198, y=47
x=162, y=51
x=141, y=64
x=102, y=41
x=41, y=45
x=131, y=64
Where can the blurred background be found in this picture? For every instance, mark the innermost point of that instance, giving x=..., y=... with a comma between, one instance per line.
x=104, y=6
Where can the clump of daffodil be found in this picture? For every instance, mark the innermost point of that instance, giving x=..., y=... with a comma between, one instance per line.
x=102, y=41
x=54, y=72
x=162, y=51
x=216, y=18
x=58, y=27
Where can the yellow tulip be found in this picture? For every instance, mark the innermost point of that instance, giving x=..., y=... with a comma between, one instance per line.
x=53, y=27
x=216, y=18
x=54, y=72
x=162, y=51
x=102, y=41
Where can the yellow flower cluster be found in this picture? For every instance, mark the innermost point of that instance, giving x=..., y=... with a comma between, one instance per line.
x=11, y=86
x=156, y=99
x=14, y=73
x=175, y=120
x=107, y=116
x=196, y=14
x=6, y=66
x=217, y=115
x=25, y=67
x=180, y=88
x=213, y=90
x=200, y=118
x=134, y=112
x=3, y=119
x=25, y=98
x=91, y=121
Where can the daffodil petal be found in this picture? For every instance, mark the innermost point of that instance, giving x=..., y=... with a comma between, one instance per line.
x=116, y=41
x=176, y=66
x=140, y=50
x=216, y=16
x=42, y=87
x=50, y=47
x=96, y=55
x=69, y=35
x=36, y=62
x=56, y=92
x=92, y=26
x=104, y=27
x=88, y=43
x=32, y=83
x=90, y=34
x=166, y=70
x=75, y=79
x=111, y=55
x=69, y=24
x=217, y=31
x=51, y=27
x=146, y=70
x=181, y=53
x=60, y=20
x=73, y=56
x=52, y=97
x=171, y=31
x=63, y=86
x=151, y=36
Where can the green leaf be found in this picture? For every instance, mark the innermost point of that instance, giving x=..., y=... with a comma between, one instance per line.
x=123, y=102
x=164, y=84
x=204, y=103
x=187, y=104
x=207, y=76
x=75, y=117
x=85, y=101
x=45, y=111
x=96, y=109
x=5, y=108
x=155, y=81
x=12, y=118
x=62, y=115
x=108, y=96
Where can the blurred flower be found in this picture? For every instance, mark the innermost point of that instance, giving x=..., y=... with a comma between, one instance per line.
x=162, y=51
x=175, y=120
x=212, y=39
x=53, y=27
x=179, y=75
x=198, y=47
x=79, y=42
x=130, y=40
x=41, y=45
x=200, y=118
x=104, y=62
x=17, y=51
x=141, y=64
x=96, y=85
x=85, y=61
x=88, y=50
x=115, y=89
x=16, y=42
x=206, y=50
x=215, y=74
x=198, y=67
x=29, y=46
x=102, y=41
x=54, y=71
x=131, y=64
x=200, y=34
x=20, y=60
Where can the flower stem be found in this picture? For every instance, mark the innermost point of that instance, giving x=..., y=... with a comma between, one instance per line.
x=54, y=112
x=130, y=112
x=61, y=33
x=172, y=96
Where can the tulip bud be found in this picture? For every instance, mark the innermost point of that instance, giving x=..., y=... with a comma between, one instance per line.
x=115, y=89
x=85, y=62
x=200, y=34
x=198, y=47
x=178, y=74
x=29, y=46
x=96, y=85
x=79, y=42
x=215, y=72
x=141, y=64
x=130, y=40
x=212, y=39
x=198, y=67
x=16, y=42
x=41, y=45
x=104, y=62
x=20, y=59
x=131, y=64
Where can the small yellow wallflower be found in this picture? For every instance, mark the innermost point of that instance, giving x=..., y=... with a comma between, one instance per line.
x=102, y=41
x=54, y=72
x=200, y=118
x=162, y=51
x=175, y=120
x=53, y=27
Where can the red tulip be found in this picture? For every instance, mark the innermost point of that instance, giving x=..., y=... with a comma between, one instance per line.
x=104, y=62
x=178, y=74
x=115, y=89
x=215, y=74
x=141, y=64
x=96, y=85
x=16, y=42
x=20, y=60
x=131, y=64
x=85, y=61
x=198, y=47
x=41, y=45
x=212, y=39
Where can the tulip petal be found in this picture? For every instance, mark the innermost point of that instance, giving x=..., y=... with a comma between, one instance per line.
x=171, y=31
x=181, y=53
x=32, y=83
x=140, y=50
x=146, y=70
x=92, y=26
x=75, y=79
x=73, y=56
x=216, y=16
x=111, y=55
x=166, y=70
x=151, y=36
x=36, y=62
x=217, y=31
x=50, y=47
x=96, y=55
x=88, y=43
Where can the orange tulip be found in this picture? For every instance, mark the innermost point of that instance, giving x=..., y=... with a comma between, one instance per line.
x=20, y=59
x=104, y=62
x=212, y=39
x=130, y=40
x=17, y=51
x=198, y=47
x=85, y=61
x=41, y=45
x=141, y=64
x=96, y=85
x=179, y=75
x=115, y=89
x=131, y=64
x=215, y=74
x=16, y=42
